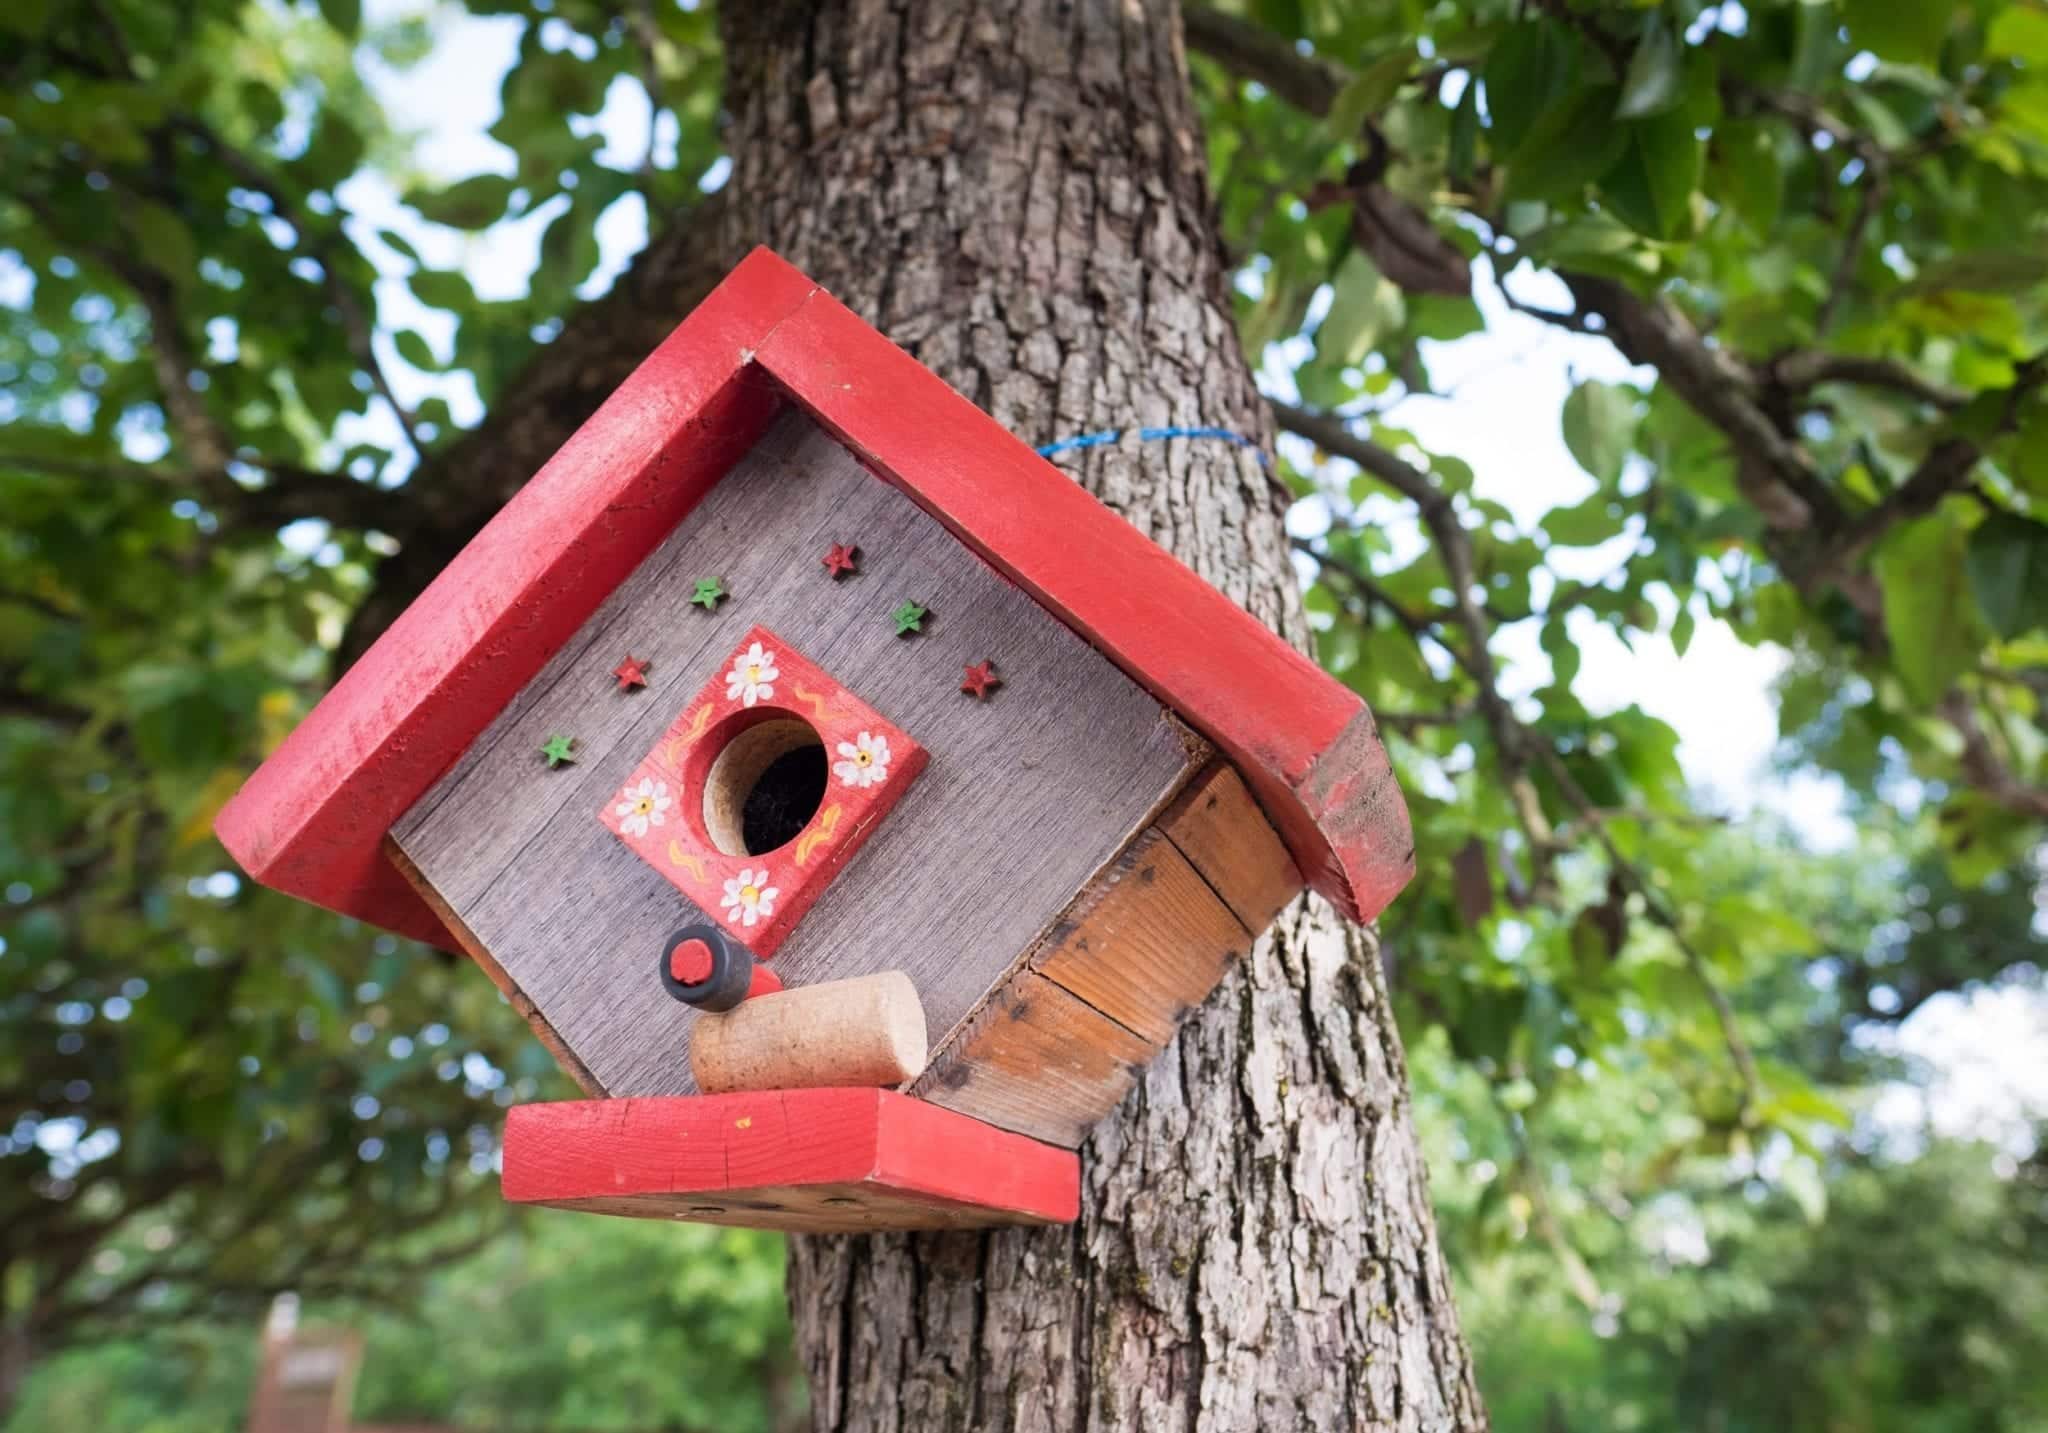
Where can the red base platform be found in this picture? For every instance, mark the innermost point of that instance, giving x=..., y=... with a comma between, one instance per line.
x=832, y=1161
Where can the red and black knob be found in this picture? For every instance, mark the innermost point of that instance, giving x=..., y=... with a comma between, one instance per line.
x=703, y=966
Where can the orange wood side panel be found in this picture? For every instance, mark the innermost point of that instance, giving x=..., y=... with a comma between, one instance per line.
x=1219, y=828
x=1146, y=942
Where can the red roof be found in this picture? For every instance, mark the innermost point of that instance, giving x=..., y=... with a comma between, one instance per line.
x=312, y=818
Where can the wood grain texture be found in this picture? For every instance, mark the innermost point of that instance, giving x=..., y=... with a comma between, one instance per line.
x=1217, y=825
x=1145, y=943
x=519, y=1000
x=310, y=821
x=828, y=1160
x=1037, y=1060
x=1127, y=962
x=1026, y=796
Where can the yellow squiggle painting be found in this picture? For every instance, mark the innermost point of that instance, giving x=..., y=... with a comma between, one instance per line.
x=828, y=821
x=672, y=753
x=693, y=864
x=818, y=703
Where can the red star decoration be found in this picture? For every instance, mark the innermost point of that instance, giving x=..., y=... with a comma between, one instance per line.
x=842, y=558
x=631, y=673
x=981, y=679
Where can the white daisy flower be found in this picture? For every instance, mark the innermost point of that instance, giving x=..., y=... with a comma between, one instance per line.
x=749, y=896
x=643, y=805
x=752, y=675
x=864, y=761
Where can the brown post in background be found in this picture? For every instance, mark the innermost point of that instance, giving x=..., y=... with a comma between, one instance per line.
x=307, y=1378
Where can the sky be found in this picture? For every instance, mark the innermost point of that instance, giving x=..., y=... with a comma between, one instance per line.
x=1980, y=1053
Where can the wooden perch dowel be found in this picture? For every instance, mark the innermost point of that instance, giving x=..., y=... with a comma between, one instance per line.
x=864, y=1031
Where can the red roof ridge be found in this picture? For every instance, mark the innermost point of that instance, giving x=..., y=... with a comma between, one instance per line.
x=312, y=819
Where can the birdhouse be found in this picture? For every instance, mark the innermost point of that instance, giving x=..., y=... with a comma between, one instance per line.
x=852, y=804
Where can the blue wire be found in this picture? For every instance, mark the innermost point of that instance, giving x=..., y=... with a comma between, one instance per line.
x=1151, y=435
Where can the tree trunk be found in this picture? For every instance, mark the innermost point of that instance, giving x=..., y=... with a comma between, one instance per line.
x=1019, y=199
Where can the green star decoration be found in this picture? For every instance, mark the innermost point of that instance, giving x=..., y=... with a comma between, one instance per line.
x=555, y=750
x=710, y=592
x=909, y=618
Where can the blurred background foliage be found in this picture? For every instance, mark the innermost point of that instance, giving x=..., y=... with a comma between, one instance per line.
x=249, y=372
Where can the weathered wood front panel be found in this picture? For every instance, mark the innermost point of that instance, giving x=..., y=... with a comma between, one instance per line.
x=1026, y=796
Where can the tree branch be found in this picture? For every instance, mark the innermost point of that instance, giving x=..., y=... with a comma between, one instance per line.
x=1454, y=545
x=291, y=494
x=1876, y=184
x=1739, y=1053
x=1945, y=469
x=1801, y=370
x=1717, y=385
x=356, y=326
x=1985, y=768
x=204, y=438
x=1362, y=582
x=465, y=480
x=1256, y=53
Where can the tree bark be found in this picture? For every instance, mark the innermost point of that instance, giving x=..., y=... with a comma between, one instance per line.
x=1019, y=199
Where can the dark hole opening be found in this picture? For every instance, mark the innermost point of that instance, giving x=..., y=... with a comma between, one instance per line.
x=784, y=799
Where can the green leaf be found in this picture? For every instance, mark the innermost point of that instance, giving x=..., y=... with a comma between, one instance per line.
x=2030, y=450
x=1586, y=524
x=1440, y=317
x=1600, y=428
x=345, y=16
x=1744, y=160
x=1277, y=313
x=1571, y=146
x=1532, y=68
x=1652, y=185
x=2020, y=32
x=1928, y=610
x=1562, y=651
x=1368, y=93
x=1800, y=1180
x=1285, y=16
x=25, y=17
x=1682, y=630
x=1910, y=31
x=398, y=244
x=442, y=288
x=2008, y=566
x=568, y=253
x=1463, y=159
x=1983, y=271
x=1879, y=120
x=166, y=244
x=473, y=203
x=415, y=350
x=1656, y=73
x=1596, y=244
x=1365, y=306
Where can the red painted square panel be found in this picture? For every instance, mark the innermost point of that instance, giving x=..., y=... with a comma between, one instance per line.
x=681, y=809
